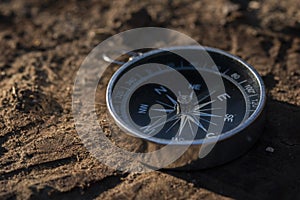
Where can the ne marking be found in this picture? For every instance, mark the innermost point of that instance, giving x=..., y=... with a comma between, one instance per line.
x=195, y=86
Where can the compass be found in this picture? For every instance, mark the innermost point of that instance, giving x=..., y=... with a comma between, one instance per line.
x=162, y=98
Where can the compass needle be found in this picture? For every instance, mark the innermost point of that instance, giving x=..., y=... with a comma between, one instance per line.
x=202, y=105
x=203, y=114
x=209, y=109
x=155, y=125
x=172, y=125
x=190, y=125
x=210, y=122
x=162, y=103
x=172, y=100
x=206, y=96
x=183, y=122
x=163, y=110
x=198, y=123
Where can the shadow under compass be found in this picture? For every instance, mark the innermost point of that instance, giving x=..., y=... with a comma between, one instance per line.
x=270, y=170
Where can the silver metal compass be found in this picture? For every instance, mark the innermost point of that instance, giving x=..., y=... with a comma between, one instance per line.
x=161, y=98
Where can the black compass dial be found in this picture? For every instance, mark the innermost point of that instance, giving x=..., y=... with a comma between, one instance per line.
x=197, y=112
x=157, y=110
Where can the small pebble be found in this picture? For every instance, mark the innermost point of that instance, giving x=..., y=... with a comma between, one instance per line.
x=254, y=5
x=270, y=149
x=14, y=91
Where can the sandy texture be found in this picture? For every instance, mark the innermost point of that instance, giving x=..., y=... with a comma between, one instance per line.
x=42, y=45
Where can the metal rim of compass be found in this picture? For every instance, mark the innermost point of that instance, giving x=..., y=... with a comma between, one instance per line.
x=224, y=136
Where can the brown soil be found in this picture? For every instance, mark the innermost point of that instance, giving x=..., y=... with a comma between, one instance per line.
x=42, y=46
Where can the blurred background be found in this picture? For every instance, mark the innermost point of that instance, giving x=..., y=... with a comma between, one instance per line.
x=42, y=45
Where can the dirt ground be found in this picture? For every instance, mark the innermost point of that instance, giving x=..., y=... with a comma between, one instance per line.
x=42, y=45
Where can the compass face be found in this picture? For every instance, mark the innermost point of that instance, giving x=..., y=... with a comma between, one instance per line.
x=155, y=109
